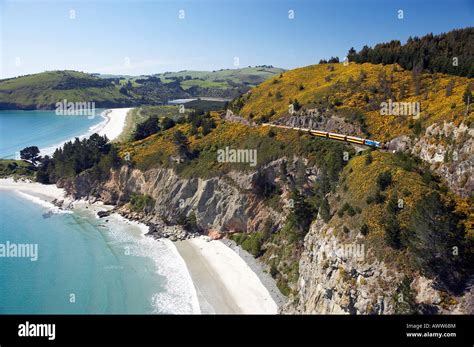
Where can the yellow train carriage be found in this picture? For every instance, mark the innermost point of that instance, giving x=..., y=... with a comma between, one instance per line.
x=354, y=139
x=319, y=133
x=337, y=137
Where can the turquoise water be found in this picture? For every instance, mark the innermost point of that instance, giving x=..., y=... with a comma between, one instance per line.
x=45, y=129
x=86, y=265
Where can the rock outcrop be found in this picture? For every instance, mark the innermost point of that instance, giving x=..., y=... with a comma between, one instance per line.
x=449, y=149
x=342, y=277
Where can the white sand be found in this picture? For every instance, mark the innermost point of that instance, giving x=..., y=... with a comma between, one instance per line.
x=47, y=192
x=115, y=122
x=112, y=126
x=224, y=281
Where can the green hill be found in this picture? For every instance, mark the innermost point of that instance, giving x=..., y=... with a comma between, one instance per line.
x=44, y=90
x=222, y=79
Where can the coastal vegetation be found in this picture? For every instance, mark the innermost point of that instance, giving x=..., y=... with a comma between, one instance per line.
x=94, y=154
x=141, y=203
x=17, y=169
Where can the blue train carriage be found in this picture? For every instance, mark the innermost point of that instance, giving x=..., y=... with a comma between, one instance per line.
x=373, y=143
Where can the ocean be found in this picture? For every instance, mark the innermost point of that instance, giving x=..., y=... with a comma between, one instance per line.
x=45, y=129
x=84, y=264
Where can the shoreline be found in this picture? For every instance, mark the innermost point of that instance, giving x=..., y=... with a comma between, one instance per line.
x=221, y=291
x=112, y=126
x=115, y=125
x=218, y=290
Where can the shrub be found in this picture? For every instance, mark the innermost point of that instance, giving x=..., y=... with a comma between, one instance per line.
x=392, y=233
x=364, y=230
x=141, y=203
x=370, y=200
x=351, y=211
x=368, y=159
x=404, y=298
x=324, y=210
x=384, y=180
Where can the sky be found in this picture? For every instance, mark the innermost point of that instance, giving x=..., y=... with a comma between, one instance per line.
x=152, y=36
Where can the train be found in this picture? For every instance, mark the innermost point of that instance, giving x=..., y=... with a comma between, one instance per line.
x=334, y=136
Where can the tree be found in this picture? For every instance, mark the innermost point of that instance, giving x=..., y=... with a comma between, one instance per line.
x=301, y=214
x=30, y=154
x=416, y=76
x=296, y=105
x=364, y=230
x=368, y=158
x=392, y=233
x=467, y=96
x=449, y=88
x=434, y=232
x=384, y=180
x=180, y=140
x=324, y=210
x=167, y=123
x=146, y=128
x=432, y=53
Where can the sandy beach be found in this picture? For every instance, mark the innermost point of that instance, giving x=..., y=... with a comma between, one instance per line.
x=223, y=280
x=46, y=192
x=112, y=126
x=115, y=122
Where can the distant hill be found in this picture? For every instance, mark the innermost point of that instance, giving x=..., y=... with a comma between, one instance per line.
x=222, y=79
x=44, y=90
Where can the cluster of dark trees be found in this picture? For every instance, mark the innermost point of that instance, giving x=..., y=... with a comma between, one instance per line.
x=152, y=126
x=71, y=82
x=95, y=154
x=201, y=119
x=451, y=53
x=197, y=119
x=332, y=60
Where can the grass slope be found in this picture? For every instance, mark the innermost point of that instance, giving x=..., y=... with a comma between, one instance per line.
x=44, y=90
x=359, y=88
x=222, y=79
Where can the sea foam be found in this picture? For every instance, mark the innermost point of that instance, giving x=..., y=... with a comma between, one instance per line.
x=180, y=296
x=34, y=199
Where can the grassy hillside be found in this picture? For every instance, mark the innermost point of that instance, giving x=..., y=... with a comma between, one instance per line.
x=140, y=114
x=157, y=149
x=44, y=90
x=222, y=79
x=16, y=168
x=360, y=89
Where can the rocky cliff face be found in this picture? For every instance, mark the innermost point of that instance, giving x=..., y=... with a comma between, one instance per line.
x=225, y=204
x=449, y=149
x=342, y=277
